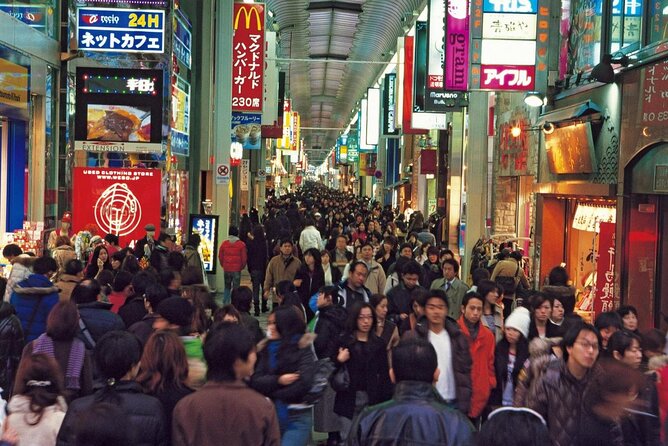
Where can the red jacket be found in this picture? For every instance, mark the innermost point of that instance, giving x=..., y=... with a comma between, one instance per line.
x=232, y=255
x=483, y=378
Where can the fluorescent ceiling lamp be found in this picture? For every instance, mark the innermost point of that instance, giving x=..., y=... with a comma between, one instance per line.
x=373, y=116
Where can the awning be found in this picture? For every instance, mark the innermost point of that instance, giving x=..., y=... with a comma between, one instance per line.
x=568, y=113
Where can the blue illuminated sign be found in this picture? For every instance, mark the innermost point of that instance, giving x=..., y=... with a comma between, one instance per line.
x=182, y=40
x=34, y=16
x=121, y=30
x=522, y=6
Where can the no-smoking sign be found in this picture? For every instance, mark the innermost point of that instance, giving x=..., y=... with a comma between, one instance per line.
x=222, y=174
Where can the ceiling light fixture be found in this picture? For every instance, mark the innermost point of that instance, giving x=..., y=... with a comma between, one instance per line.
x=533, y=98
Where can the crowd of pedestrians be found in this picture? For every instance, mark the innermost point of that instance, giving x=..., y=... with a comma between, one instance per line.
x=372, y=338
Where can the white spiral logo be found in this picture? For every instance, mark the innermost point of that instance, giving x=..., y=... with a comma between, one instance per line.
x=118, y=210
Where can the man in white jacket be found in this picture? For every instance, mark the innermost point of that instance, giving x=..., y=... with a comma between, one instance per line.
x=310, y=237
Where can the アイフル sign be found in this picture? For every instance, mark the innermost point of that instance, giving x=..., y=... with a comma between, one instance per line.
x=121, y=30
x=248, y=57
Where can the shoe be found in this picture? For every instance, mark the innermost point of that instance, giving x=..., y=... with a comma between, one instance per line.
x=264, y=306
x=257, y=310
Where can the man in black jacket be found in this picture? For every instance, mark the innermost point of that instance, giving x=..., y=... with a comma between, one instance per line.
x=96, y=316
x=416, y=414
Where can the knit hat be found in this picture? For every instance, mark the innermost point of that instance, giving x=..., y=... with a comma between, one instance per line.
x=176, y=310
x=520, y=320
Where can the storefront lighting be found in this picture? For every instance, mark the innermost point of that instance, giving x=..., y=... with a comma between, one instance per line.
x=533, y=99
x=548, y=128
x=515, y=132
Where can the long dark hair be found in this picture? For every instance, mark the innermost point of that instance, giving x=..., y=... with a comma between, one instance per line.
x=92, y=267
x=39, y=378
x=353, y=314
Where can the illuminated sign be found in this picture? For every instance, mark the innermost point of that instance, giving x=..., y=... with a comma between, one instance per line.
x=182, y=44
x=500, y=77
x=206, y=226
x=373, y=116
x=118, y=110
x=509, y=26
x=121, y=30
x=389, y=105
x=521, y=6
x=34, y=16
x=457, y=46
x=436, y=47
x=508, y=52
x=14, y=84
x=180, y=118
x=248, y=57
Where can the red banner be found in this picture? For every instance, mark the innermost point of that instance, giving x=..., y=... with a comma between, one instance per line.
x=117, y=201
x=605, y=270
x=407, y=115
x=248, y=57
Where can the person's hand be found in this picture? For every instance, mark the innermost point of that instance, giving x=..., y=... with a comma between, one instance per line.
x=288, y=378
x=403, y=316
x=100, y=263
x=344, y=355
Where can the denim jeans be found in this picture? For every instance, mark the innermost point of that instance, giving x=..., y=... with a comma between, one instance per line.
x=298, y=430
x=232, y=280
x=256, y=279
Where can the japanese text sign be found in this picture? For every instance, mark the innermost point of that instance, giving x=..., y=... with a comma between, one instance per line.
x=34, y=16
x=654, y=100
x=503, y=77
x=182, y=45
x=248, y=57
x=206, y=226
x=605, y=269
x=121, y=30
x=457, y=46
x=118, y=201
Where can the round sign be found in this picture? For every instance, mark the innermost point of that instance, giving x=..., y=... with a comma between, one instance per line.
x=261, y=173
x=378, y=174
x=223, y=170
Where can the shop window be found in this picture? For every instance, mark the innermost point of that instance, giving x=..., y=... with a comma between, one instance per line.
x=658, y=20
x=584, y=44
x=626, y=31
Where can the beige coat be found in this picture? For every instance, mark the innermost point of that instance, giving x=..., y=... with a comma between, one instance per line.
x=277, y=271
x=43, y=433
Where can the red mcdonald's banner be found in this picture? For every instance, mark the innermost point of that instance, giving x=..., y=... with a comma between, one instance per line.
x=248, y=57
x=117, y=201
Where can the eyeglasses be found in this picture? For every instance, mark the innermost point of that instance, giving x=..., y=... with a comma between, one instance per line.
x=364, y=318
x=588, y=345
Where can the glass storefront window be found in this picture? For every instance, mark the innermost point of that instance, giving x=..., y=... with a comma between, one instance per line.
x=658, y=21
x=626, y=25
x=584, y=45
x=42, y=15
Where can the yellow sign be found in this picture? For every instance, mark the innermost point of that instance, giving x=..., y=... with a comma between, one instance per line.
x=13, y=84
x=248, y=12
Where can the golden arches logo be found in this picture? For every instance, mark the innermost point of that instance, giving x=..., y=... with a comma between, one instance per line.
x=248, y=14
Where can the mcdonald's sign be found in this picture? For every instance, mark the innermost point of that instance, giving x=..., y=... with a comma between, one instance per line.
x=248, y=57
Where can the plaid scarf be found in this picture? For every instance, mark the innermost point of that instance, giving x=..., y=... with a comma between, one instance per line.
x=75, y=359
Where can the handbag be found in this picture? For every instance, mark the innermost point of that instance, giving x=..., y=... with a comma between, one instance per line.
x=321, y=371
x=340, y=380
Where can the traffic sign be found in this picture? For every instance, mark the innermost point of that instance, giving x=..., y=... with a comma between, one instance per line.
x=261, y=175
x=222, y=173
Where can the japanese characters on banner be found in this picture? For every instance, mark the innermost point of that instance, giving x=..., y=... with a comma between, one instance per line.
x=248, y=57
x=245, y=173
x=654, y=100
x=117, y=201
x=121, y=30
x=605, y=270
x=509, y=50
x=590, y=217
x=182, y=43
x=247, y=130
x=206, y=226
x=35, y=16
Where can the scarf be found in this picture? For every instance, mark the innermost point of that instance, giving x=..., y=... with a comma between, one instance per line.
x=75, y=359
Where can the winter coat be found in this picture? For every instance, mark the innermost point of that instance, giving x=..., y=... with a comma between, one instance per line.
x=642, y=427
x=21, y=270
x=348, y=296
x=368, y=370
x=432, y=272
x=596, y=431
x=258, y=254
x=509, y=268
x=552, y=330
x=328, y=328
x=252, y=325
x=140, y=246
x=193, y=259
x=143, y=329
x=540, y=356
x=233, y=255
x=497, y=310
x=279, y=269
x=455, y=294
x=147, y=419
x=386, y=264
x=33, y=299
x=293, y=357
x=160, y=257
x=66, y=284
x=225, y=410
x=501, y=367
x=399, y=301
x=11, y=344
x=310, y=238
x=483, y=377
x=42, y=433
x=558, y=397
x=416, y=415
x=461, y=358
x=62, y=255
x=98, y=319
x=565, y=294
x=311, y=282
x=132, y=311
x=375, y=280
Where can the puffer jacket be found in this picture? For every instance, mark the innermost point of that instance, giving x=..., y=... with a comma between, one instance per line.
x=483, y=377
x=21, y=270
x=416, y=415
x=147, y=419
x=541, y=354
x=328, y=328
x=293, y=357
x=558, y=397
x=33, y=299
x=11, y=345
x=461, y=359
x=233, y=255
x=98, y=319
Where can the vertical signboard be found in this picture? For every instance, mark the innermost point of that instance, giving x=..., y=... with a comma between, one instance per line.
x=117, y=201
x=245, y=173
x=407, y=102
x=605, y=269
x=182, y=44
x=248, y=57
x=457, y=46
x=389, y=105
x=180, y=118
x=373, y=116
x=206, y=226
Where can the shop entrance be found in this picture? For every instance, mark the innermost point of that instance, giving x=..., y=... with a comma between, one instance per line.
x=13, y=174
x=645, y=275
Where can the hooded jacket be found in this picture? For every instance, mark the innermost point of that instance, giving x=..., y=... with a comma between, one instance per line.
x=33, y=299
x=21, y=270
x=416, y=415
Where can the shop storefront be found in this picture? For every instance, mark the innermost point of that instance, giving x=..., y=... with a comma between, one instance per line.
x=643, y=171
x=576, y=201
